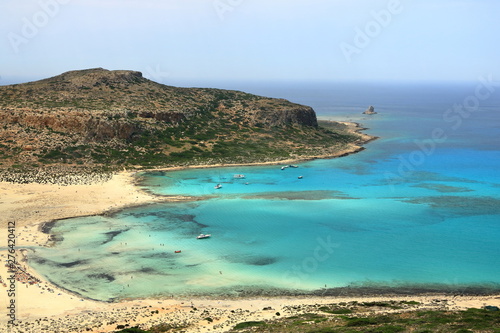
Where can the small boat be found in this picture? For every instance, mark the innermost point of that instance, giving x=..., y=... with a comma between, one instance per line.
x=239, y=176
x=293, y=166
x=178, y=251
x=202, y=236
x=284, y=167
x=300, y=177
x=218, y=186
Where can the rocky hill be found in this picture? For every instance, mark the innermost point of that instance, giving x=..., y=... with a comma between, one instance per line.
x=97, y=118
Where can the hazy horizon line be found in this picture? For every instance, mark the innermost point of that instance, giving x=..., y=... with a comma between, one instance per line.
x=193, y=82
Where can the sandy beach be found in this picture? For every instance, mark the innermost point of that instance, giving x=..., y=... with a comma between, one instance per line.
x=39, y=305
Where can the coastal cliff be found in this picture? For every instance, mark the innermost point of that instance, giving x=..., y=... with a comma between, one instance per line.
x=78, y=101
x=114, y=119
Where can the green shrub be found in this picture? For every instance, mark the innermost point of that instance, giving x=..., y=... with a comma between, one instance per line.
x=247, y=324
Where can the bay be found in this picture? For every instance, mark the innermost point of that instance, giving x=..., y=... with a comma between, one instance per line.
x=414, y=209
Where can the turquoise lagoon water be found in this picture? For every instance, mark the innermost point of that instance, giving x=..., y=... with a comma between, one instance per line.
x=404, y=212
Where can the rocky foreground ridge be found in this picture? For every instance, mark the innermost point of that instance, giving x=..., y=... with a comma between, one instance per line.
x=98, y=118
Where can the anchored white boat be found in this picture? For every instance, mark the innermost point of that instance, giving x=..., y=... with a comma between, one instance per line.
x=239, y=176
x=201, y=236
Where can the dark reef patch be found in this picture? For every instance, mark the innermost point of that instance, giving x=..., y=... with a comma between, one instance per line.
x=47, y=226
x=417, y=177
x=149, y=270
x=251, y=260
x=461, y=205
x=101, y=276
x=112, y=234
x=73, y=263
x=262, y=261
x=443, y=188
x=299, y=195
x=56, y=238
x=161, y=255
x=186, y=217
x=43, y=261
x=164, y=219
x=39, y=260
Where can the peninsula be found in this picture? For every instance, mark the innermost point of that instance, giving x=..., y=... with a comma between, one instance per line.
x=98, y=120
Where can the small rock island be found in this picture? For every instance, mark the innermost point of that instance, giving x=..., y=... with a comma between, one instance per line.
x=370, y=110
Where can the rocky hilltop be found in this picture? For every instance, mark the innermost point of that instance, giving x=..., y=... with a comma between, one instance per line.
x=101, y=118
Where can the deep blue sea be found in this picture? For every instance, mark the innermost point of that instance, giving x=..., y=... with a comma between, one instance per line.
x=419, y=207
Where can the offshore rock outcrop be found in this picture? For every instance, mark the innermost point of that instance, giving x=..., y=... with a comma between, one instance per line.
x=370, y=110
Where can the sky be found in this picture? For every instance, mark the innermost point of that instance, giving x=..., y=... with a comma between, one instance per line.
x=190, y=41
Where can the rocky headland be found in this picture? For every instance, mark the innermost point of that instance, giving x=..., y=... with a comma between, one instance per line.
x=98, y=119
